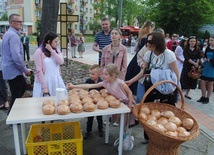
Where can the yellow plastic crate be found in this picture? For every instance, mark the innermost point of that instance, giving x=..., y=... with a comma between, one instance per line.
x=55, y=139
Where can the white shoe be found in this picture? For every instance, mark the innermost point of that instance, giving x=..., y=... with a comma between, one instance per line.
x=105, y=123
x=115, y=124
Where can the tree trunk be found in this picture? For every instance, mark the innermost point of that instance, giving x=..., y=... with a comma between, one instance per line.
x=50, y=11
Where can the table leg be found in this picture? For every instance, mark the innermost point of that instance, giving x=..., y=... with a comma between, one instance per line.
x=23, y=131
x=107, y=130
x=16, y=139
x=121, y=134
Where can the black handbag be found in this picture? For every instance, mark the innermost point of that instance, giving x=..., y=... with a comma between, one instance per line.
x=147, y=71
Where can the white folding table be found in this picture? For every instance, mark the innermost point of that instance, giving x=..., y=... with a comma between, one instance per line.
x=29, y=110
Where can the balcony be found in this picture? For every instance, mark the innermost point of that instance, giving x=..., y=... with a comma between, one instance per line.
x=71, y=2
x=70, y=9
x=38, y=17
x=38, y=6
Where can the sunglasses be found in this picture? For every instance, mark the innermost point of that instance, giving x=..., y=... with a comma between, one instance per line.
x=192, y=37
x=152, y=24
x=149, y=41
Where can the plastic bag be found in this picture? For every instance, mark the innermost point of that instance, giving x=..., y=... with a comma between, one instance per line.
x=128, y=139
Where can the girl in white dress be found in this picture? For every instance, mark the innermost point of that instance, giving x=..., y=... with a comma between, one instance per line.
x=47, y=59
x=179, y=54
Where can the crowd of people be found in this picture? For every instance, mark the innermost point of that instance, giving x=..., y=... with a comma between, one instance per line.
x=166, y=57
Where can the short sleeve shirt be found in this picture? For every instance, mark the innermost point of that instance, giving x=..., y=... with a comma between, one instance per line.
x=161, y=61
x=89, y=81
x=102, y=40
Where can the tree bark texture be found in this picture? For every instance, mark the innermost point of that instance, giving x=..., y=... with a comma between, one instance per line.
x=50, y=9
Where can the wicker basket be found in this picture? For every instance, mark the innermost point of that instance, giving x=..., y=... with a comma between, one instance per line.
x=160, y=143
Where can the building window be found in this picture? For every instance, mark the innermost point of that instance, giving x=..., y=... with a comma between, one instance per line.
x=37, y=1
x=86, y=10
x=90, y=11
x=75, y=27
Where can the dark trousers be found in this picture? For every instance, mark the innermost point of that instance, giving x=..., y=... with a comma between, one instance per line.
x=18, y=87
x=90, y=123
x=26, y=51
x=3, y=89
x=99, y=58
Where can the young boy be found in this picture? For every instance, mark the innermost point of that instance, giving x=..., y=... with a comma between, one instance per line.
x=94, y=73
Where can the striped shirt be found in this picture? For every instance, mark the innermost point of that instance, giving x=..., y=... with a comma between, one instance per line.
x=102, y=40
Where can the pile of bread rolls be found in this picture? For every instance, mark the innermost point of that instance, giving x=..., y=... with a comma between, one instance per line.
x=166, y=122
x=81, y=100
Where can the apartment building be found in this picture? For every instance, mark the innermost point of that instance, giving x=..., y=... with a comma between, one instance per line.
x=31, y=11
x=2, y=7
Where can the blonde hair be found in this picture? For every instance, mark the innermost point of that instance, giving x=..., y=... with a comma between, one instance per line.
x=118, y=30
x=112, y=69
x=147, y=28
x=95, y=66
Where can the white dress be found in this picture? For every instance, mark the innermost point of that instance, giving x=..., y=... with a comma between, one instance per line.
x=52, y=77
x=179, y=53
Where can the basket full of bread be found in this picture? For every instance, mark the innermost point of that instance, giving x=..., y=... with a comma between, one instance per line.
x=80, y=100
x=167, y=126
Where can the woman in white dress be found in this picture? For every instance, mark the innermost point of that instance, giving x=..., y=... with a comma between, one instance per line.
x=179, y=54
x=47, y=59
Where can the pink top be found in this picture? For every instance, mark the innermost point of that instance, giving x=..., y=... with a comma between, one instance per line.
x=120, y=59
x=39, y=72
x=116, y=89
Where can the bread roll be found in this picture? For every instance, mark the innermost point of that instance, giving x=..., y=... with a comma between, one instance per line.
x=102, y=104
x=83, y=92
x=105, y=94
x=61, y=102
x=109, y=98
x=48, y=109
x=49, y=102
x=97, y=98
x=75, y=100
x=63, y=109
x=115, y=103
x=76, y=107
x=72, y=92
x=89, y=107
x=87, y=99
x=93, y=92
x=103, y=91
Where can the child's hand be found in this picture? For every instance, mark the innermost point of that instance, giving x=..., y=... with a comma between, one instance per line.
x=128, y=83
x=130, y=106
x=69, y=85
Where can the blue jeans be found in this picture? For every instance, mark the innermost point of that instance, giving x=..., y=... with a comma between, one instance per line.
x=140, y=92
